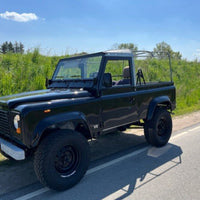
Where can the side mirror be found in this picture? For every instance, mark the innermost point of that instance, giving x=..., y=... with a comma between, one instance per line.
x=107, y=80
x=48, y=82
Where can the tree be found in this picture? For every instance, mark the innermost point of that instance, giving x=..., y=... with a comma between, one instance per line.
x=4, y=48
x=16, y=47
x=130, y=46
x=10, y=47
x=21, y=48
x=164, y=47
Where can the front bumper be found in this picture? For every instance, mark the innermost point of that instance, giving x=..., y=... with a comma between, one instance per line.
x=12, y=150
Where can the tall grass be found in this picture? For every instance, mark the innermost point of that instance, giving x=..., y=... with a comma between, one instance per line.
x=186, y=76
x=27, y=72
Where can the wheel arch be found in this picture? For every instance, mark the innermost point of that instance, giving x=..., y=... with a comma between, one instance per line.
x=158, y=101
x=66, y=121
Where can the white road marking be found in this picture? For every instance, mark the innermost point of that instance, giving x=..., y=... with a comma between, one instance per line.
x=90, y=171
x=179, y=135
x=107, y=164
x=112, y=162
x=33, y=194
x=184, y=133
x=194, y=129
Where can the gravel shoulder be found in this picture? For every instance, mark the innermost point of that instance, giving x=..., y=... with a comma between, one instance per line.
x=15, y=175
x=183, y=121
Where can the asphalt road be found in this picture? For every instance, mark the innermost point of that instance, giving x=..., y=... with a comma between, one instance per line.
x=144, y=172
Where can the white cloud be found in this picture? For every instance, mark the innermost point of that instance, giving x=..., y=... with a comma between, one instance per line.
x=24, y=17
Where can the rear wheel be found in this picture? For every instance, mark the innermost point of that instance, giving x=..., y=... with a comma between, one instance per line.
x=62, y=159
x=158, y=130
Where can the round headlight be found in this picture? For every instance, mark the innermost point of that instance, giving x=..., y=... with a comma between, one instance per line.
x=16, y=121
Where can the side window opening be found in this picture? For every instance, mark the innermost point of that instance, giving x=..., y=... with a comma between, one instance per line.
x=120, y=72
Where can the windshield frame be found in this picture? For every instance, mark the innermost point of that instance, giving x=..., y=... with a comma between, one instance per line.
x=74, y=58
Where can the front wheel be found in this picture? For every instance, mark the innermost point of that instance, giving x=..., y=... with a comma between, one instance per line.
x=62, y=159
x=158, y=130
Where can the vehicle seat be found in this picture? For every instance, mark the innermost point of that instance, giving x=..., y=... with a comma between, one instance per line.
x=126, y=77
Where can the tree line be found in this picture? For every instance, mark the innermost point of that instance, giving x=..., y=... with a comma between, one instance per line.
x=158, y=50
x=18, y=47
x=9, y=47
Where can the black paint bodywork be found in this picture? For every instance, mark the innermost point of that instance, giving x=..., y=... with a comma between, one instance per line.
x=87, y=106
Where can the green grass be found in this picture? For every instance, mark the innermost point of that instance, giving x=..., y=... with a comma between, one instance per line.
x=188, y=109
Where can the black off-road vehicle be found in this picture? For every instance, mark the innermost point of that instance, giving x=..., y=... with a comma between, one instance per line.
x=88, y=96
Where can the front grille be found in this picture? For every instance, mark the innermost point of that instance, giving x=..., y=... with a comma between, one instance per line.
x=4, y=122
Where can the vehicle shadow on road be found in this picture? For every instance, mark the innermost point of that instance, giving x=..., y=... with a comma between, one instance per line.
x=22, y=173
x=105, y=183
x=115, y=142
x=167, y=157
x=124, y=178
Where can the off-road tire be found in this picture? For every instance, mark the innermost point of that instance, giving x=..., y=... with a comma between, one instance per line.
x=47, y=159
x=158, y=130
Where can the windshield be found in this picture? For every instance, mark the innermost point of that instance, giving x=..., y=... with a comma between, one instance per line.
x=78, y=68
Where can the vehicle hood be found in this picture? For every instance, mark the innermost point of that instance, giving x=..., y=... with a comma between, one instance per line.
x=39, y=96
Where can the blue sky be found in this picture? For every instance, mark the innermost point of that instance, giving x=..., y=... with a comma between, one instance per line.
x=64, y=26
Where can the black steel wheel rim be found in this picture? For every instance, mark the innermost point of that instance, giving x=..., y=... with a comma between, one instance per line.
x=67, y=160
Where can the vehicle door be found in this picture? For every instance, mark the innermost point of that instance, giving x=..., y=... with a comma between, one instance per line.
x=118, y=101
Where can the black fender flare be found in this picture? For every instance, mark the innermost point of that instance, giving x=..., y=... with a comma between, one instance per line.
x=162, y=100
x=54, y=120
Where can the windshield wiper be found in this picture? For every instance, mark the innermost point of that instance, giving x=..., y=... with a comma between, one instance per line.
x=59, y=77
x=63, y=77
x=75, y=76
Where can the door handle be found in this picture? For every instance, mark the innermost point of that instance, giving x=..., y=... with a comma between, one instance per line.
x=132, y=100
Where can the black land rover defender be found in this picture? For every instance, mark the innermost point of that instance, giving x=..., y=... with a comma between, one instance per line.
x=88, y=96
